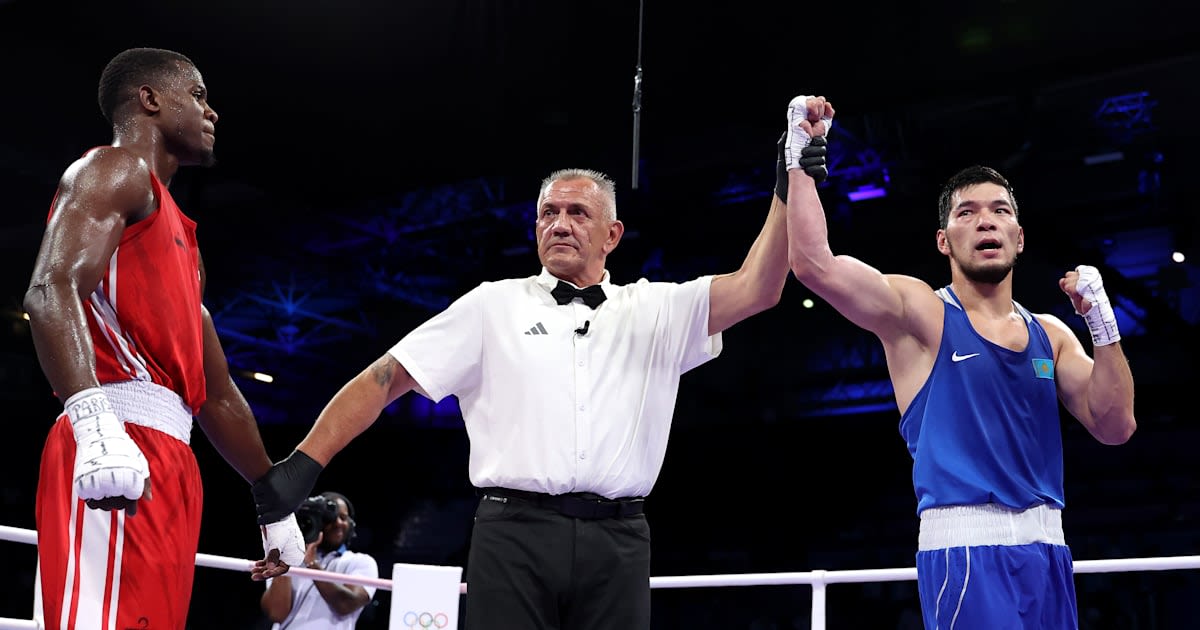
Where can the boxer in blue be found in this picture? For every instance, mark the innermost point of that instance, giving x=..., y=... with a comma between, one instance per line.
x=977, y=380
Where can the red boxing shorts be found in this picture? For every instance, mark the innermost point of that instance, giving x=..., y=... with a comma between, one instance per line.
x=107, y=570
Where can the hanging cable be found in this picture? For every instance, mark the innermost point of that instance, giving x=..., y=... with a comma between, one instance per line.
x=637, y=96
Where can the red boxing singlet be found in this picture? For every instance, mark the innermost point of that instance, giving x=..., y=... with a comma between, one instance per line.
x=144, y=315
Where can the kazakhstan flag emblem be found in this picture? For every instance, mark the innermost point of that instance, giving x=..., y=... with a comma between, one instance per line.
x=1043, y=368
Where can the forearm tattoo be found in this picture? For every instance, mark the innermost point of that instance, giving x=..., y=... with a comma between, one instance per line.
x=382, y=370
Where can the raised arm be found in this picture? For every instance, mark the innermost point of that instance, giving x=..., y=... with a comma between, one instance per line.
x=758, y=284
x=868, y=298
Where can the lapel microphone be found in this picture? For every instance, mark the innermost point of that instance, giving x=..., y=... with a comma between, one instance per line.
x=582, y=330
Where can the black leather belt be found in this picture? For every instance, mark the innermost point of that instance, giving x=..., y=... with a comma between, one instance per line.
x=584, y=505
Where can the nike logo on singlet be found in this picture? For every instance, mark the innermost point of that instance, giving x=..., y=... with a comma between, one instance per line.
x=956, y=357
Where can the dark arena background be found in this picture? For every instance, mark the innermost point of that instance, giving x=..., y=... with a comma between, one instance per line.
x=378, y=159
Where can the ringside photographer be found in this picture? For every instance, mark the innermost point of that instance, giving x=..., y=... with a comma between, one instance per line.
x=298, y=603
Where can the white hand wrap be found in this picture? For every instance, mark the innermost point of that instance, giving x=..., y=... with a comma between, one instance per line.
x=284, y=535
x=107, y=461
x=797, y=138
x=1101, y=321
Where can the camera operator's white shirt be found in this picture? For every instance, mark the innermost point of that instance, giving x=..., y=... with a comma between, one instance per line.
x=310, y=611
x=564, y=398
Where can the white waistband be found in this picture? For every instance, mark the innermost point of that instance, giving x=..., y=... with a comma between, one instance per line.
x=989, y=524
x=151, y=405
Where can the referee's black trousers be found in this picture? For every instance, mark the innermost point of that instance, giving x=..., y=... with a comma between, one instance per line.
x=532, y=568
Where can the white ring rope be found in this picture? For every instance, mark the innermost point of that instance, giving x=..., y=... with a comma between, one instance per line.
x=818, y=579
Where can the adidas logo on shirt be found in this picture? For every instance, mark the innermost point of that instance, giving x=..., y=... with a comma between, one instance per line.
x=538, y=329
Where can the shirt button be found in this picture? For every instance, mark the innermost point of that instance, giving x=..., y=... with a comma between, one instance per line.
x=582, y=454
x=581, y=363
x=581, y=407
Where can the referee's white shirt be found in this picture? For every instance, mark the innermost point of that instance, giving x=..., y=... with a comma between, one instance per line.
x=548, y=409
x=310, y=611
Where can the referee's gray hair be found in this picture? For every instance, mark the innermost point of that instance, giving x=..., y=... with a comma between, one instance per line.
x=607, y=187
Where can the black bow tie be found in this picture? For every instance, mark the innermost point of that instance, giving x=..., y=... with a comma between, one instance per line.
x=593, y=296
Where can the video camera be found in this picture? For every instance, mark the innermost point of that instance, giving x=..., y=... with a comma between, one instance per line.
x=314, y=514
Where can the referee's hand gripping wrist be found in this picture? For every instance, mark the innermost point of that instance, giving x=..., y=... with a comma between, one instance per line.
x=289, y=482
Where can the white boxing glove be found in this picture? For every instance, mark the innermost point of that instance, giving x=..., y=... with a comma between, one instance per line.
x=108, y=463
x=1101, y=321
x=284, y=535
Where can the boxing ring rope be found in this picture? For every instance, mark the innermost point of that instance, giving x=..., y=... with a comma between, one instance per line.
x=818, y=579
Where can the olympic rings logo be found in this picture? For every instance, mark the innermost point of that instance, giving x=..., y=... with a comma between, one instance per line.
x=425, y=620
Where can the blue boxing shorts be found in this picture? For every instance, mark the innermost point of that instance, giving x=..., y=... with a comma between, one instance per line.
x=991, y=567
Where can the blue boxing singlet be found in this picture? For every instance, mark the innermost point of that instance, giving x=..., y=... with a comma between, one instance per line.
x=984, y=428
